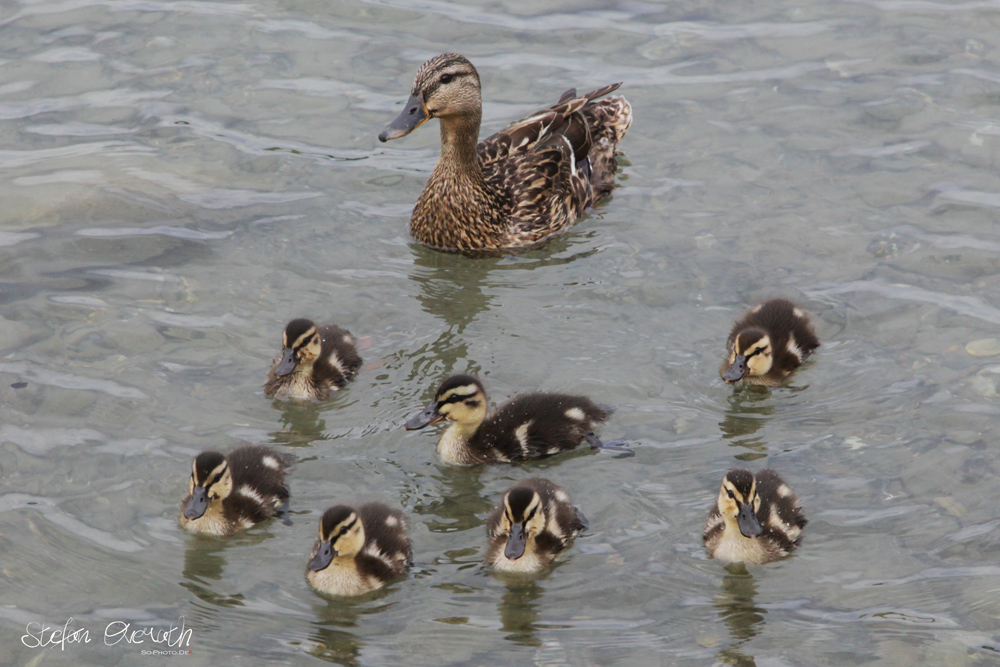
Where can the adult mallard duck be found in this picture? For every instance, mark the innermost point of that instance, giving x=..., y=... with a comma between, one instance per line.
x=520, y=185
x=756, y=518
x=528, y=426
x=359, y=549
x=770, y=341
x=230, y=492
x=534, y=522
x=314, y=362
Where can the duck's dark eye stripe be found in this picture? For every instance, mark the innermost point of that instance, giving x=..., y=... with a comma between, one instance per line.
x=455, y=398
x=530, y=515
x=343, y=531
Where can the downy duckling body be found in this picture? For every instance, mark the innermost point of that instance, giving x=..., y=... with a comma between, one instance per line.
x=519, y=186
x=314, y=362
x=756, y=518
x=770, y=341
x=528, y=426
x=230, y=492
x=359, y=549
x=532, y=525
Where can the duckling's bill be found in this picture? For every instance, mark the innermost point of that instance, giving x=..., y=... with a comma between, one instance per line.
x=323, y=558
x=414, y=115
x=287, y=364
x=516, y=541
x=198, y=504
x=430, y=415
x=747, y=521
x=738, y=370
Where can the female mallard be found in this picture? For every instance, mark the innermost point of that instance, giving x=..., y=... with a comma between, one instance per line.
x=756, y=518
x=769, y=342
x=534, y=522
x=528, y=426
x=360, y=549
x=230, y=492
x=520, y=185
x=315, y=361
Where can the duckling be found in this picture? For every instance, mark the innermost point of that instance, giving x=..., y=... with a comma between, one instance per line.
x=769, y=342
x=528, y=426
x=519, y=186
x=360, y=549
x=756, y=518
x=315, y=361
x=230, y=492
x=532, y=525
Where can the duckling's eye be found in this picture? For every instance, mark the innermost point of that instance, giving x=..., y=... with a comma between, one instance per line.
x=730, y=492
x=446, y=78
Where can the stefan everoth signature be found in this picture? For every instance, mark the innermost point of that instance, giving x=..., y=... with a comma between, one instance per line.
x=40, y=635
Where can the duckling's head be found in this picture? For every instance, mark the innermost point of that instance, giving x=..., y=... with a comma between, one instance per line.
x=523, y=518
x=340, y=534
x=739, y=501
x=301, y=345
x=210, y=480
x=460, y=398
x=446, y=86
x=749, y=354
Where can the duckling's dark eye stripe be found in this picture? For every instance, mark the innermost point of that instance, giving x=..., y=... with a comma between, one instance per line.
x=344, y=529
x=456, y=398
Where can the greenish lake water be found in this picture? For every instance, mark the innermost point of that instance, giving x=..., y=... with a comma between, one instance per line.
x=179, y=179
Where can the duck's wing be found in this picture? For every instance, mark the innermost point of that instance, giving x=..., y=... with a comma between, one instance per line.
x=564, y=118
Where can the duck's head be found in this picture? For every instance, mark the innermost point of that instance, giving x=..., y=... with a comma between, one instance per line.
x=340, y=534
x=523, y=517
x=301, y=346
x=460, y=398
x=749, y=354
x=446, y=86
x=739, y=501
x=210, y=480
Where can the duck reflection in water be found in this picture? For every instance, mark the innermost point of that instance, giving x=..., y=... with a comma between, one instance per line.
x=334, y=637
x=745, y=621
x=301, y=424
x=203, y=563
x=519, y=612
x=458, y=503
x=748, y=411
x=457, y=288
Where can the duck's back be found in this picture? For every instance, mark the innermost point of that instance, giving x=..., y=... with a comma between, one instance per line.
x=387, y=545
x=259, y=487
x=536, y=425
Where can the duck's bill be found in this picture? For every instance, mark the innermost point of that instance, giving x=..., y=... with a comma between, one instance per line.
x=737, y=371
x=287, y=363
x=429, y=416
x=516, y=542
x=198, y=504
x=413, y=116
x=747, y=521
x=323, y=557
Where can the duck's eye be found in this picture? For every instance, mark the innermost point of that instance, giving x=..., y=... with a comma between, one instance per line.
x=446, y=78
x=730, y=492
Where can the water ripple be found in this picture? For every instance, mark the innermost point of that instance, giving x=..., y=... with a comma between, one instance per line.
x=48, y=508
x=963, y=305
x=67, y=381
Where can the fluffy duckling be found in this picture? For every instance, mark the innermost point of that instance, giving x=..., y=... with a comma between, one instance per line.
x=769, y=342
x=532, y=525
x=315, y=361
x=230, y=492
x=528, y=426
x=519, y=186
x=756, y=518
x=360, y=549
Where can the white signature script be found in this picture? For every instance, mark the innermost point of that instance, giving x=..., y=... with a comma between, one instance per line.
x=40, y=635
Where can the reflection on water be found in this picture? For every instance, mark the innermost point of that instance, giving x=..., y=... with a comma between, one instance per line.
x=749, y=409
x=301, y=424
x=204, y=563
x=333, y=635
x=519, y=612
x=456, y=502
x=735, y=603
